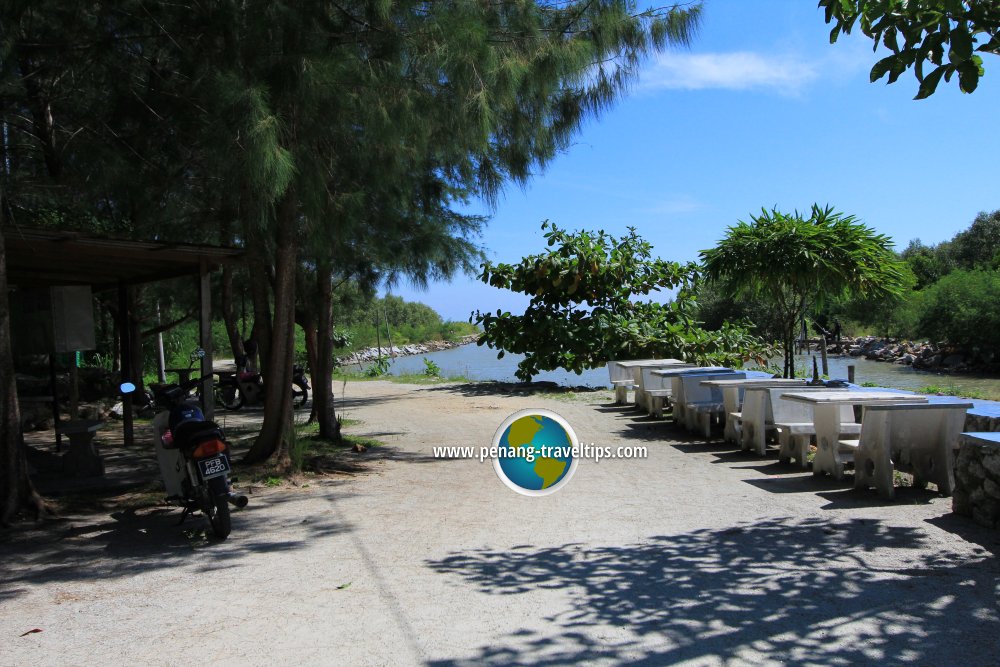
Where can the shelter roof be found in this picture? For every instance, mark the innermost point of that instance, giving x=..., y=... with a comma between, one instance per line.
x=37, y=257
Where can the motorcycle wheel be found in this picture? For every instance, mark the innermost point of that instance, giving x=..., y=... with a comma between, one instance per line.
x=219, y=517
x=215, y=505
x=229, y=397
x=300, y=395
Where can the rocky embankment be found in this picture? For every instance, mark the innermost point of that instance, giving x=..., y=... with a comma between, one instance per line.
x=372, y=353
x=924, y=356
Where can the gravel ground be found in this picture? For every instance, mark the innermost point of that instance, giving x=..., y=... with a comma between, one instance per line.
x=694, y=555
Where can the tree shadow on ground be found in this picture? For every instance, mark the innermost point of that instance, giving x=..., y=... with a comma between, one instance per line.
x=132, y=541
x=964, y=527
x=342, y=459
x=810, y=591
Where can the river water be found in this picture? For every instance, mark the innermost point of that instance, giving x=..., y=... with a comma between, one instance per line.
x=481, y=363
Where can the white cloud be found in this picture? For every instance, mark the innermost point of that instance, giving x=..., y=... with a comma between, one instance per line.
x=675, y=205
x=739, y=70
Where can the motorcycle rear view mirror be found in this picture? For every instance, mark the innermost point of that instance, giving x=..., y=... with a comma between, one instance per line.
x=126, y=387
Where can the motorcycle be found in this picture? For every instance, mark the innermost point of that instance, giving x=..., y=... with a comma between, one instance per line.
x=233, y=390
x=193, y=455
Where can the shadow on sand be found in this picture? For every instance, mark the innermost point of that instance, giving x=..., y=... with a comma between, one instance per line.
x=794, y=591
x=130, y=542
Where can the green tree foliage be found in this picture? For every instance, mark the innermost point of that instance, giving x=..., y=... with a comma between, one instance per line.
x=584, y=312
x=928, y=263
x=344, y=137
x=796, y=263
x=961, y=309
x=715, y=308
x=937, y=38
x=978, y=246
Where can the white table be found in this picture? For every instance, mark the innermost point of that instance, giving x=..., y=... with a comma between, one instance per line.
x=640, y=368
x=672, y=375
x=826, y=417
x=731, y=395
x=620, y=374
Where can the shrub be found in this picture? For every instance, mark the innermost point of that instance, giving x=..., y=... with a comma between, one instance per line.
x=961, y=309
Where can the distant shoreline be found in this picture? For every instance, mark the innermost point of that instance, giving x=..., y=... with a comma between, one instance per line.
x=369, y=354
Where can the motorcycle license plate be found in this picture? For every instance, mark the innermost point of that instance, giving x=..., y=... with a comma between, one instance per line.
x=213, y=467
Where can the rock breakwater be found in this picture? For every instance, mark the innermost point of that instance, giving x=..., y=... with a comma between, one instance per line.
x=923, y=356
x=370, y=354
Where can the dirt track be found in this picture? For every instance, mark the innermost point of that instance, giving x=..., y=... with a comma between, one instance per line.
x=696, y=554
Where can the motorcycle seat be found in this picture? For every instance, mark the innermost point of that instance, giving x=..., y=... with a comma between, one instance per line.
x=191, y=433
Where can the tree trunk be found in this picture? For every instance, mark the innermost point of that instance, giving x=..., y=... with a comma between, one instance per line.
x=277, y=431
x=260, y=293
x=17, y=493
x=322, y=370
x=229, y=315
x=309, y=329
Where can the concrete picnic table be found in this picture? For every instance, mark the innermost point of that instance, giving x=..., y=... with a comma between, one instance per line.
x=635, y=372
x=918, y=438
x=826, y=417
x=623, y=378
x=650, y=384
x=676, y=393
x=731, y=395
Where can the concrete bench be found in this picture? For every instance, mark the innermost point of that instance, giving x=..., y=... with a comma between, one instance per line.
x=703, y=403
x=917, y=438
x=82, y=459
x=620, y=376
x=796, y=428
x=765, y=412
x=622, y=387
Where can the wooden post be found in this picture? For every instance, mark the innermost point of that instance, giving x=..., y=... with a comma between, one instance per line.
x=74, y=387
x=125, y=352
x=53, y=383
x=161, y=364
x=205, y=331
x=826, y=362
x=850, y=373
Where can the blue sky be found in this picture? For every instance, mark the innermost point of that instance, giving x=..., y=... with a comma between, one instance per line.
x=760, y=111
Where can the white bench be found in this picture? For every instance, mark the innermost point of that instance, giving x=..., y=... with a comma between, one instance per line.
x=765, y=411
x=703, y=402
x=917, y=438
x=657, y=389
x=625, y=375
x=796, y=428
x=621, y=379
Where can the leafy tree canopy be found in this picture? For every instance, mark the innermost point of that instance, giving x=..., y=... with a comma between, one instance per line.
x=947, y=34
x=583, y=313
x=798, y=262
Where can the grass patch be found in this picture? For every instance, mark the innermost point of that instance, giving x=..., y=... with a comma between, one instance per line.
x=406, y=378
x=574, y=396
x=954, y=390
x=316, y=455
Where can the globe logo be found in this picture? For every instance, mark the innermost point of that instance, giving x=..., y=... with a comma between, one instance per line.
x=535, y=452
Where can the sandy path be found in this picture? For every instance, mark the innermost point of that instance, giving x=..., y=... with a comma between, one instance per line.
x=694, y=555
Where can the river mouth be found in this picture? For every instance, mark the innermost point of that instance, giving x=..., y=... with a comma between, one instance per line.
x=480, y=363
